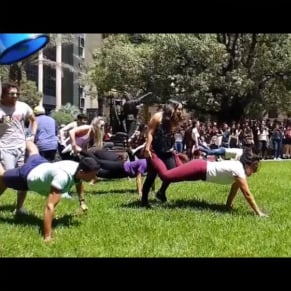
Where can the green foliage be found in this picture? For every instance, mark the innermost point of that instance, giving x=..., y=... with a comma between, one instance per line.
x=4, y=71
x=223, y=75
x=66, y=114
x=29, y=93
x=120, y=65
x=61, y=117
x=66, y=38
x=28, y=89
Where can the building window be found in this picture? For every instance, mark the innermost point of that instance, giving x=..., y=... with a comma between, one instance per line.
x=31, y=72
x=81, y=42
x=82, y=102
x=81, y=52
x=81, y=92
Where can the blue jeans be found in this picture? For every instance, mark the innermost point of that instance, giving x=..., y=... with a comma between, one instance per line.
x=179, y=147
x=215, y=152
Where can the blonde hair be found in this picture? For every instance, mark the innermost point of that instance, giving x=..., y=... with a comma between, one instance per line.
x=98, y=131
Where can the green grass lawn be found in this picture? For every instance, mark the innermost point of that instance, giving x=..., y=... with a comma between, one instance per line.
x=194, y=223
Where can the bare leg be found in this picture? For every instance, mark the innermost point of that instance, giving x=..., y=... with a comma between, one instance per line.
x=21, y=195
x=2, y=171
x=2, y=185
x=31, y=148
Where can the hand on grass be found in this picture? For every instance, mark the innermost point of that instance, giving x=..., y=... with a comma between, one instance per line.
x=261, y=214
x=48, y=239
x=84, y=207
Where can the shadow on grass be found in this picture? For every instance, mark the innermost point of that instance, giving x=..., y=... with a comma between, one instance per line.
x=197, y=204
x=194, y=203
x=66, y=220
x=8, y=208
x=111, y=191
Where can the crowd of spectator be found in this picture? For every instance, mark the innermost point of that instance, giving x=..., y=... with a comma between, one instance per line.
x=271, y=138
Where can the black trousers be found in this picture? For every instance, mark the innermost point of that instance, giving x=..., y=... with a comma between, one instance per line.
x=111, y=169
x=169, y=160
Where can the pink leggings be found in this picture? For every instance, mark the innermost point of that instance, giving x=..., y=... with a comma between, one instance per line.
x=190, y=171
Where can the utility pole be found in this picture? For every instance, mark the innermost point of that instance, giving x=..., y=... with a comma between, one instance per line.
x=58, y=72
x=40, y=76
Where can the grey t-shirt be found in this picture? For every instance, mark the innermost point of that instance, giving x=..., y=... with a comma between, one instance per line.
x=59, y=175
x=12, y=133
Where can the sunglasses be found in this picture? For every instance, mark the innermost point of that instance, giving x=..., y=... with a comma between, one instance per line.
x=13, y=94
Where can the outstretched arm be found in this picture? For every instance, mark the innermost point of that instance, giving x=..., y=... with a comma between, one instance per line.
x=244, y=187
x=32, y=124
x=232, y=193
x=66, y=128
x=153, y=124
x=78, y=131
x=139, y=184
x=80, y=192
x=52, y=200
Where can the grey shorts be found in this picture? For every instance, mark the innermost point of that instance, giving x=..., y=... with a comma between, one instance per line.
x=17, y=178
x=12, y=158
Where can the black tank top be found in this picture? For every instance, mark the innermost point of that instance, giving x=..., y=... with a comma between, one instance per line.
x=163, y=140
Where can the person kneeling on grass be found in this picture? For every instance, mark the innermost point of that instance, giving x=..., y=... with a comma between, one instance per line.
x=49, y=179
x=224, y=172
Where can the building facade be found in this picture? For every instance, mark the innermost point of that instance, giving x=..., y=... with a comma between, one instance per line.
x=74, y=54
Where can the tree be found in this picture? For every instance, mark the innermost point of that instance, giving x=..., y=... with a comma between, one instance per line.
x=29, y=93
x=227, y=76
x=65, y=114
x=119, y=65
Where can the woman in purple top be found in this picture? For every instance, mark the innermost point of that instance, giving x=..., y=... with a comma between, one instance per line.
x=121, y=169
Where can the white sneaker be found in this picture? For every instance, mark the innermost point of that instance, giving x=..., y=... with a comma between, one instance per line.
x=20, y=211
x=67, y=195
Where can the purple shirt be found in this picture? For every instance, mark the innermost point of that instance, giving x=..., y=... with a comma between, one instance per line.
x=135, y=167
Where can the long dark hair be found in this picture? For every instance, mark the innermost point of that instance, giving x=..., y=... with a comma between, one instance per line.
x=249, y=158
x=168, y=113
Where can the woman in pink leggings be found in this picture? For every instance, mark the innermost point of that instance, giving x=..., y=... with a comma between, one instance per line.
x=224, y=172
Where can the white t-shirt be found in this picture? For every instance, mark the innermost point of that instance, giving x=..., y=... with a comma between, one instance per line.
x=59, y=175
x=224, y=172
x=233, y=153
x=12, y=119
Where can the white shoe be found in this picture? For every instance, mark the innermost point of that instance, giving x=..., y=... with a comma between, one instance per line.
x=20, y=211
x=66, y=195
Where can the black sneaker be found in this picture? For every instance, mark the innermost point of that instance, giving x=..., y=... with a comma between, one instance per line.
x=161, y=196
x=145, y=204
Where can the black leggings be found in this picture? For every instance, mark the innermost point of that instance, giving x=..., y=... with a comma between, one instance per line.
x=170, y=163
x=108, y=169
x=111, y=169
x=104, y=154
